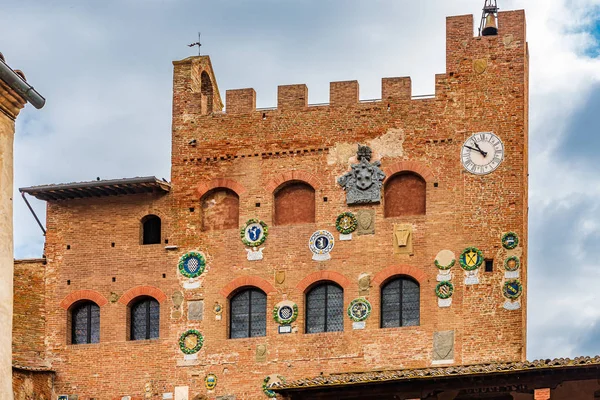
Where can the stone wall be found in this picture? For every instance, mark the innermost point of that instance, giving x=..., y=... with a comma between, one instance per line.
x=93, y=249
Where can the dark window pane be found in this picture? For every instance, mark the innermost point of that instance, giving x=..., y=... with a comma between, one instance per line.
x=240, y=319
x=258, y=316
x=85, y=323
x=151, y=227
x=248, y=311
x=400, y=303
x=325, y=309
x=315, y=310
x=145, y=319
x=410, y=303
x=95, y=324
x=335, y=309
x=390, y=304
x=154, y=319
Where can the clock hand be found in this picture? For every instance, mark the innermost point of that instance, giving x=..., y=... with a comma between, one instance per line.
x=483, y=153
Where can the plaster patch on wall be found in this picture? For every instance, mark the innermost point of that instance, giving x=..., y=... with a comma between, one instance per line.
x=341, y=153
x=389, y=144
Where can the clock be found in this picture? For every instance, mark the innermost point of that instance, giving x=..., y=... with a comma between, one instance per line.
x=482, y=153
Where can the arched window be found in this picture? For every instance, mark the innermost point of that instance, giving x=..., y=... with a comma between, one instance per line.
x=150, y=229
x=206, y=88
x=85, y=323
x=404, y=194
x=400, y=303
x=248, y=314
x=144, y=318
x=220, y=210
x=325, y=308
x=294, y=204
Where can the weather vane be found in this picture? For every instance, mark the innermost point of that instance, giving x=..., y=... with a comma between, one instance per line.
x=196, y=44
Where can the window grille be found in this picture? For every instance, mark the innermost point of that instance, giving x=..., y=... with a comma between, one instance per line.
x=248, y=314
x=400, y=303
x=325, y=309
x=145, y=319
x=85, y=323
x=151, y=229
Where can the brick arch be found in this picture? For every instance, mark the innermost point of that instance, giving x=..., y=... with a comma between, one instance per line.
x=409, y=166
x=303, y=176
x=74, y=297
x=137, y=291
x=203, y=188
x=323, y=276
x=244, y=281
x=401, y=269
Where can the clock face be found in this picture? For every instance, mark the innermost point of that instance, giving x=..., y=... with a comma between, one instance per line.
x=482, y=153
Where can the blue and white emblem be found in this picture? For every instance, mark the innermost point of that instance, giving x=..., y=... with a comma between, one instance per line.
x=320, y=244
x=253, y=234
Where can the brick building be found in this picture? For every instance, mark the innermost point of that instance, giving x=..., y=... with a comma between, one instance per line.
x=301, y=241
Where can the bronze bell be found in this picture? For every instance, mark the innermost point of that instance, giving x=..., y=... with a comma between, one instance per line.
x=490, y=28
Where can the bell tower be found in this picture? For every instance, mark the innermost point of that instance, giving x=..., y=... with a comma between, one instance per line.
x=489, y=15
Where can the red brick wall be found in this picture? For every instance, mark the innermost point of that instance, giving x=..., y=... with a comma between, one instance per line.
x=32, y=385
x=220, y=209
x=294, y=204
x=404, y=194
x=29, y=316
x=253, y=155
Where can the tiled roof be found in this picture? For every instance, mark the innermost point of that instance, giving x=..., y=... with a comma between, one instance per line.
x=98, y=188
x=356, y=378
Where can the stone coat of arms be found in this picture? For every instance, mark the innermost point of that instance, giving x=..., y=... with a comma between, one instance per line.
x=363, y=182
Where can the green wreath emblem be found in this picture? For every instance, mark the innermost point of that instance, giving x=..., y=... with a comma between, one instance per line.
x=510, y=291
x=512, y=245
x=444, y=290
x=347, y=229
x=258, y=242
x=463, y=261
x=508, y=260
x=365, y=309
x=444, y=267
x=199, y=341
x=186, y=270
x=282, y=321
x=265, y=386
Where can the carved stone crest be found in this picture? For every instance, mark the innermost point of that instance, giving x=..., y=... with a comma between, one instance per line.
x=363, y=183
x=366, y=222
x=443, y=347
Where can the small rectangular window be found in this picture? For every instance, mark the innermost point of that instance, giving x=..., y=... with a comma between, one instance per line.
x=489, y=265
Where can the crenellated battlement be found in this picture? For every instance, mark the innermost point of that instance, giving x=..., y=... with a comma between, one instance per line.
x=467, y=56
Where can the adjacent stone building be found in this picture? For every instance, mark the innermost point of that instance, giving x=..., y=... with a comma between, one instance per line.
x=15, y=92
x=304, y=241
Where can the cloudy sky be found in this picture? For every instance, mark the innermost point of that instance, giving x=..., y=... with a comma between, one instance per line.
x=105, y=68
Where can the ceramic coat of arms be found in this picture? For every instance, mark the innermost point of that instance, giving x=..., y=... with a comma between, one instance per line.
x=363, y=183
x=320, y=244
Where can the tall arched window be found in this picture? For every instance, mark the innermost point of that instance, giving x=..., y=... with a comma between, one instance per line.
x=85, y=323
x=405, y=194
x=220, y=209
x=248, y=314
x=325, y=308
x=400, y=303
x=144, y=318
x=294, y=204
x=151, y=229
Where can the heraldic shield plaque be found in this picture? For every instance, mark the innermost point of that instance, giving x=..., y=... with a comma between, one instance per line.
x=363, y=183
